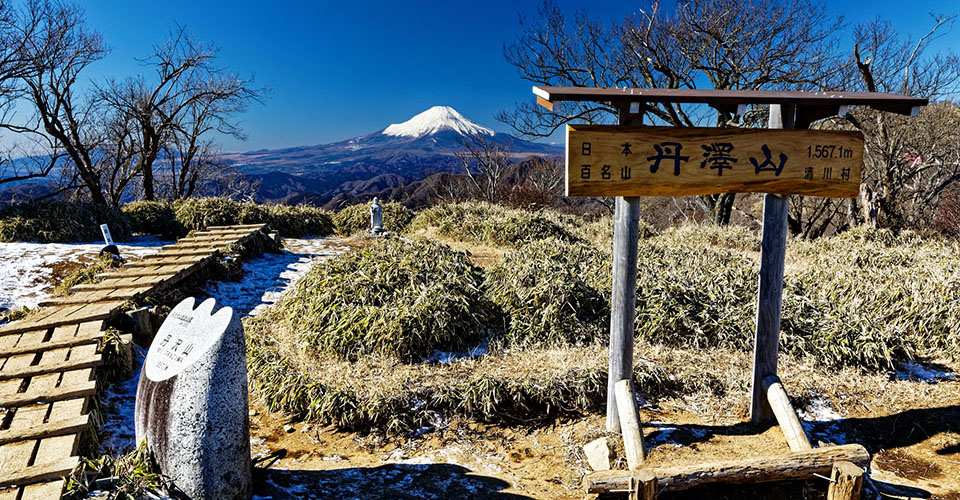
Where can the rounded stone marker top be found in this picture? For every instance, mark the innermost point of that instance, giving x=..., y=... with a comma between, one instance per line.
x=184, y=337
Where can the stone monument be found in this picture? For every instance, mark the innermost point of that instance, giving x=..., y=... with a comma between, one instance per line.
x=376, y=217
x=192, y=402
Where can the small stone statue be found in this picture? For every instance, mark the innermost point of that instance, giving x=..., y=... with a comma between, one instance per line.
x=376, y=217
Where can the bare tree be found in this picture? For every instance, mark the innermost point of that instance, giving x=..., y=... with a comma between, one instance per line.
x=766, y=44
x=190, y=97
x=57, y=47
x=485, y=162
x=908, y=162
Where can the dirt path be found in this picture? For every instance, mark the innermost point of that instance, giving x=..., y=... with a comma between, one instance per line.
x=916, y=455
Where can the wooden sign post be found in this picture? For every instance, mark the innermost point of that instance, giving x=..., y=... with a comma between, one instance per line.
x=628, y=162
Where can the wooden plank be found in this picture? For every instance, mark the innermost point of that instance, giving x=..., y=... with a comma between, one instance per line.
x=81, y=358
x=152, y=270
x=43, y=491
x=846, y=482
x=730, y=99
x=251, y=227
x=183, y=253
x=605, y=160
x=786, y=415
x=121, y=294
x=66, y=315
x=19, y=455
x=623, y=301
x=33, y=396
x=630, y=425
x=33, y=347
x=71, y=425
x=153, y=260
x=773, y=250
x=41, y=472
x=790, y=466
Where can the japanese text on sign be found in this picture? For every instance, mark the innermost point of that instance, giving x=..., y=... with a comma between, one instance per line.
x=667, y=161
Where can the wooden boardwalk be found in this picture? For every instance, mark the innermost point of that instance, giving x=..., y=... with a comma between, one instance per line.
x=48, y=362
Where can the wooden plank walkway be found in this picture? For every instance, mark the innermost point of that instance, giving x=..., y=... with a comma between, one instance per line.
x=48, y=362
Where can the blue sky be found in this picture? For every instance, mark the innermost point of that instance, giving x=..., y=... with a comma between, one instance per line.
x=341, y=69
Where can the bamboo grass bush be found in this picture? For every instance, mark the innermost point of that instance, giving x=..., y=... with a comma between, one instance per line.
x=395, y=297
x=356, y=218
x=174, y=219
x=61, y=221
x=491, y=224
x=552, y=293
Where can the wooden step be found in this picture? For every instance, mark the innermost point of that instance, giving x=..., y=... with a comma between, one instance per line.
x=72, y=425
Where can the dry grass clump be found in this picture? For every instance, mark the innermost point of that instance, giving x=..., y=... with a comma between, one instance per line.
x=552, y=293
x=87, y=274
x=173, y=219
x=394, y=297
x=380, y=392
x=492, y=224
x=129, y=476
x=356, y=218
x=61, y=221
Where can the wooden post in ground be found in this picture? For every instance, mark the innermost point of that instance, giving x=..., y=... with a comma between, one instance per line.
x=846, y=481
x=623, y=302
x=773, y=247
x=644, y=486
x=786, y=415
x=630, y=425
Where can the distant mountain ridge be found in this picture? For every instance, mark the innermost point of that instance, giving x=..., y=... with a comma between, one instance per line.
x=399, y=154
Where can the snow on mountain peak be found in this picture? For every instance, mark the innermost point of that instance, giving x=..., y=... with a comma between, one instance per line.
x=434, y=120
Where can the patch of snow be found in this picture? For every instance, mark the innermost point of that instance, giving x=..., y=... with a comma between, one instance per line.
x=821, y=422
x=268, y=277
x=434, y=120
x=916, y=372
x=119, y=401
x=663, y=435
x=446, y=358
x=26, y=270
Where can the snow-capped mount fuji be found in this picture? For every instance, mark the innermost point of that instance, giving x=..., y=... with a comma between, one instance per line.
x=399, y=154
x=436, y=119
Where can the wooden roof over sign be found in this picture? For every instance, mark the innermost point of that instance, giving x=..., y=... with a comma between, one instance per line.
x=729, y=100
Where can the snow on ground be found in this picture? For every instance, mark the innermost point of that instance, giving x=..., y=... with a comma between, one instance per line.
x=26, y=267
x=268, y=277
x=822, y=422
x=117, y=433
x=915, y=372
x=265, y=280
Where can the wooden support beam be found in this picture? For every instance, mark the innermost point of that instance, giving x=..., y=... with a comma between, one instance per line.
x=623, y=301
x=790, y=466
x=846, y=481
x=49, y=429
x=773, y=249
x=786, y=415
x=630, y=424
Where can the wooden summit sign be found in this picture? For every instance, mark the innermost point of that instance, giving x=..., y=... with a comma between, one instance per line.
x=612, y=160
